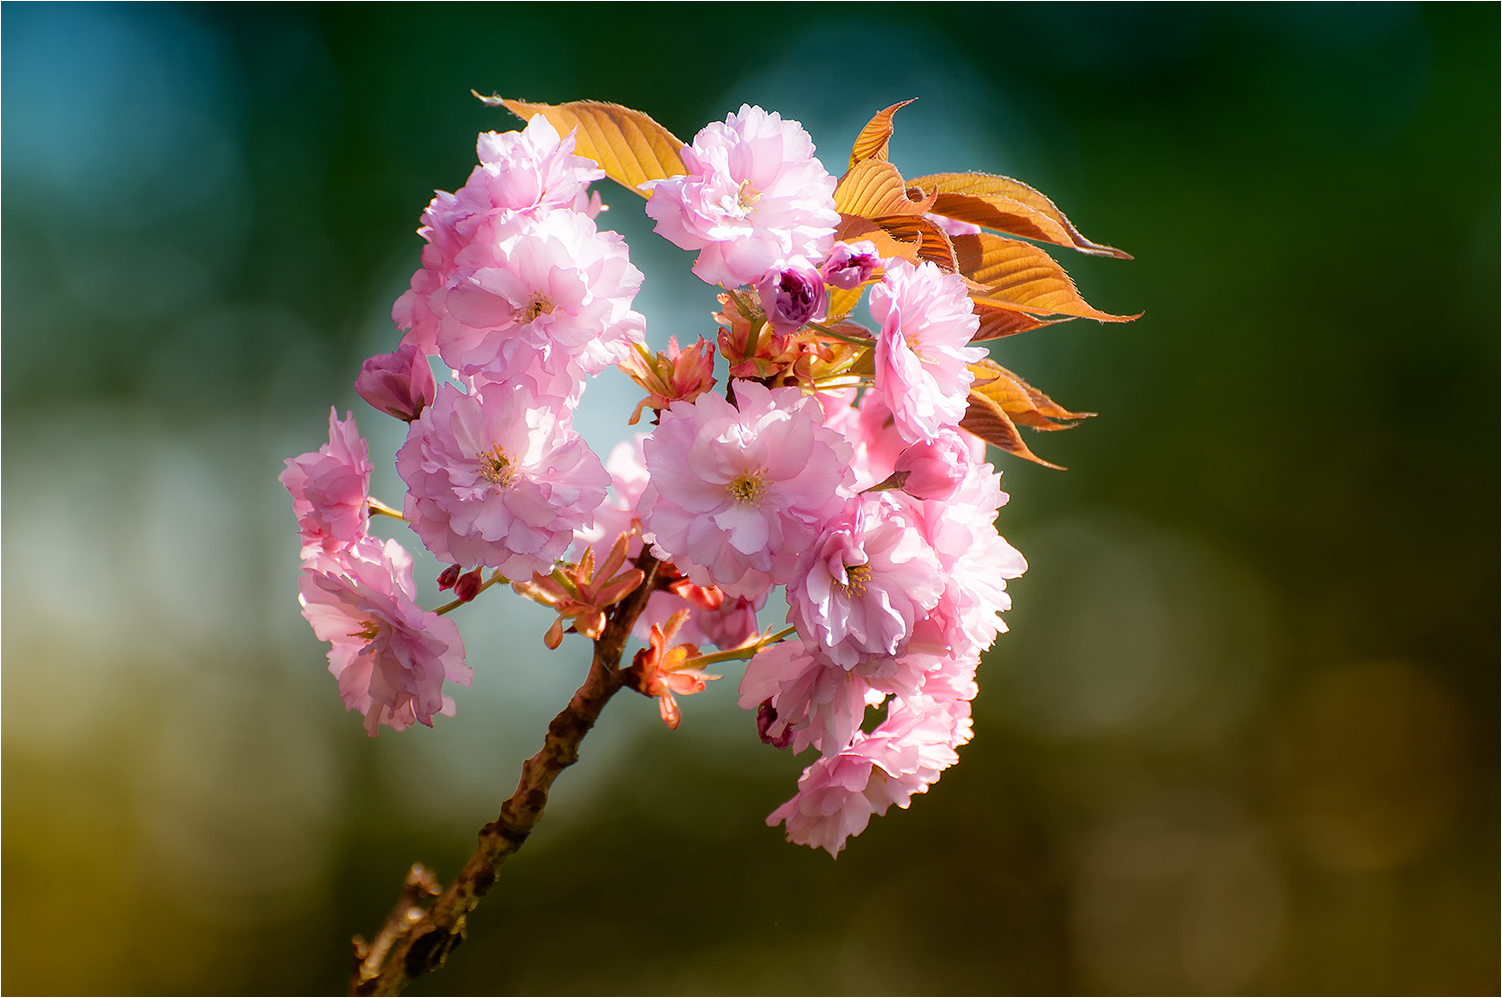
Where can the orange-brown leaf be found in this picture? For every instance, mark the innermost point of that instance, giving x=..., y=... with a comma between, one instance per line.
x=998, y=322
x=1010, y=206
x=1019, y=400
x=1022, y=276
x=871, y=143
x=628, y=145
x=874, y=189
x=933, y=242
x=989, y=422
x=853, y=228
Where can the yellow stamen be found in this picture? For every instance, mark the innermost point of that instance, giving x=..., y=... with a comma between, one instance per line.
x=856, y=578
x=745, y=197
x=748, y=487
x=496, y=467
x=539, y=304
x=367, y=630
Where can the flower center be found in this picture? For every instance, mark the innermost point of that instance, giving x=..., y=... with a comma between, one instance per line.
x=539, y=304
x=496, y=468
x=856, y=577
x=748, y=487
x=746, y=197
x=367, y=630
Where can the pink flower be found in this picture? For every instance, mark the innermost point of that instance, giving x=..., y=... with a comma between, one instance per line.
x=331, y=488
x=530, y=169
x=400, y=384
x=754, y=197
x=921, y=353
x=736, y=494
x=849, y=265
x=903, y=756
x=792, y=298
x=803, y=699
x=391, y=657
x=866, y=580
x=976, y=562
x=934, y=469
x=499, y=479
x=552, y=286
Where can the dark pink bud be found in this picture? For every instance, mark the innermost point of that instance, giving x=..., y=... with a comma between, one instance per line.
x=849, y=265
x=936, y=467
x=399, y=383
x=448, y=577
x=792, y=298
x=766, y=716
x=467, y=586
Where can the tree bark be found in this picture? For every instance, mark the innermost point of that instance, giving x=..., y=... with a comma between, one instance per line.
x=409, y=946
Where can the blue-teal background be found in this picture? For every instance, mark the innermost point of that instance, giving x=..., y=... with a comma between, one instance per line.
x=1242, y=736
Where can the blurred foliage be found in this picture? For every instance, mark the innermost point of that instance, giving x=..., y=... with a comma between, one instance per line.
x=1242, y=737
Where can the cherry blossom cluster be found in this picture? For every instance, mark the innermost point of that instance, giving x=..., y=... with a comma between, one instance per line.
x=833, y=466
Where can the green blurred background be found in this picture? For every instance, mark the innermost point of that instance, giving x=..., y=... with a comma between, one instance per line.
x=1242, y=736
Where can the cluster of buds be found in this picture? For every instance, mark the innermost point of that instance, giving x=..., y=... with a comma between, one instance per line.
x=842, y=466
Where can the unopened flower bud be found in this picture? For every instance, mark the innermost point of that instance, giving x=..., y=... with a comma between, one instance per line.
x=448, y=577
x=792, y=298
x=934, y=468
x=849, y=265
x=399, y=383
x=467, y=587
x=766, y=716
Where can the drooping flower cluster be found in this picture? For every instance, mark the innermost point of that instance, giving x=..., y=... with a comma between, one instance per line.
x=845, y=465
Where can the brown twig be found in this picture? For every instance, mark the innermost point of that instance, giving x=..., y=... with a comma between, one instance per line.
x=426, y=941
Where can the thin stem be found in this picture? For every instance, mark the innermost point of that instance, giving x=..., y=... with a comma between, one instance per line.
x=736, y=654
x=455, y=604
x=428, y=942
x=376, y=506
x=860, y=341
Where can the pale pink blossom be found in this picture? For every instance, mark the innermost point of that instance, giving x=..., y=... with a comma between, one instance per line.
x=935, y=469
x=903, y=756
x=390, y=656
x=737, y=493
x=976, y=562
x=330, y=488
x=400, y=384
x=921, y=353
x=866, y=580
x=729, y=625
x=849, y=265
x=803, y=699
x=617, y=514
x=550, y=287
x=754, y=197
x=873, y=433
x=531, y=169
x=498, y=478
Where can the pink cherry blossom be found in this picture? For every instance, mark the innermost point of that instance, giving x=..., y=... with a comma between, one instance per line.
x=498, y=478
x=803, y=699
x=976, y=562
x=935, y=469
x=903, y=756
x=400, y=384
x=331, y=488
x=754, y=197
x=552, y=286
x=861, y=586
x=736, y=494
x=391, y=657
x=533, y=168
x=849, y=265
x=921, y=353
